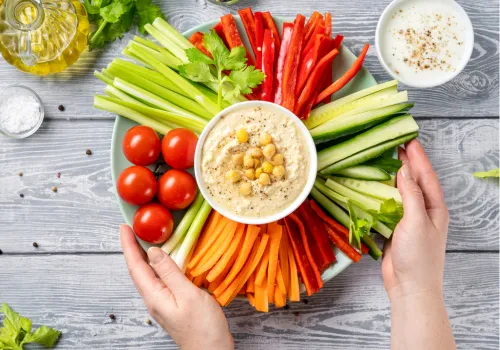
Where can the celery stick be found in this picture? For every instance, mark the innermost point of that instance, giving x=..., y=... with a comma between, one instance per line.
x=126, y=52
x=175, y=251
x=180, y=81
x=192, y=235
x=171, y=119
x=170, y=96
x=154, y=46
x=167, y=42
x=103, y=77
x=164, y=57
x=150, y=98
x=165, y=28
x=114, y=92
x=365, y=201
x=101, y=102
x=183, y=226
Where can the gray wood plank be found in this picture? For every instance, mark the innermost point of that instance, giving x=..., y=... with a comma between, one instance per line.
x=474, y=93
x=76, y=293
x=83, y=215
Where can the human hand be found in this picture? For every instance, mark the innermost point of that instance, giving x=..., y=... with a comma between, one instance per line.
x=191, y=316
x=413, y=260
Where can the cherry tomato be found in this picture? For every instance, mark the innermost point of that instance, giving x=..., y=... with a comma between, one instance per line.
x=178, y=147
x=176, y=189
x=153, y=223
x=141, y=145
x=136, y=185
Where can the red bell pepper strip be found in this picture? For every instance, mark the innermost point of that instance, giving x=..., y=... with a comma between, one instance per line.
x=248, y=20
x=334, y=225
x=309, y=61
x=327, y=80
x=314, y=81
x=197, y=40
x=220, y=32
x=343, y=80
x=340, y=243
x=318, y=236
x=259, y=39
x=268, y=51
x=311, y=25
x=320, y=30
x=233, y=37
x=328, y=24
x=337, y=41
x=280, y=62
x=290, y=71
x=269, y=24
x=307, y=268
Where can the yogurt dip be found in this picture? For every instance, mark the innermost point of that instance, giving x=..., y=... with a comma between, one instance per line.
x=255, y=162
x=424, y=42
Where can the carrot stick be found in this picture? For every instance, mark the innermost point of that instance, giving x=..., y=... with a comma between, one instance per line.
x=217, y=281
x=275, y=233
x=251, y=283
x=232, y=290
x=294, y=289
x=246, y=249
x=284, y=264
x=340, y=243
x=263, y=229
x=279, y=280
x=198, y=280
x=261, y=273
x=251, y=299
x=242, y=290
x=334, y=225
x=205, y=282
x=217, y=249
x=209, y=237
x=279, y=300
x=229, y=252
x=261, y=297
x=343, y=80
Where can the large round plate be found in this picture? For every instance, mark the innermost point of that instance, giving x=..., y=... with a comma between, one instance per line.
x=343, y=61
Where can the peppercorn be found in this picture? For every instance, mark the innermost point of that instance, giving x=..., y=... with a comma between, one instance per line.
x=21, y=195
x=54, y=189
x=88, y=152
x=1, y=252
x=35, y=244
x=61, y=108
x=112, y=316
x=148, y=322
x=305, y=301
x=20, y=174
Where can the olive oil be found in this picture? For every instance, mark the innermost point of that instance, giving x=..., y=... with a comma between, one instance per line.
x=42, y=36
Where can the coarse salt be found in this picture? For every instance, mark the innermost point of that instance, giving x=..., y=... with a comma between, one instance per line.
x=19, y=113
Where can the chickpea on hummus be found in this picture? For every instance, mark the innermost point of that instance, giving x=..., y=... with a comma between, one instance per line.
x=255, y=162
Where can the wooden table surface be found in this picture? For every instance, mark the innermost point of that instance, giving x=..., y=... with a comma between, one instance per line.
x=77, y=276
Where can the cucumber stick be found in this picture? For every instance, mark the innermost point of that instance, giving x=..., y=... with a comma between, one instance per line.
x=367, y=154
x=364, y=172
x=391, y=182
x=335, y=108
x=369, y=188
x=392, y=129
x=350, y=124
x=361, y=199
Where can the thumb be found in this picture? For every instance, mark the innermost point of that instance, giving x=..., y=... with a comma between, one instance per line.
x=413, y=199
x=168, y=271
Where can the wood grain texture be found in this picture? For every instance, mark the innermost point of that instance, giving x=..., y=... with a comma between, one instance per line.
x=474, y=93
x=76, y=293
x=83, y=215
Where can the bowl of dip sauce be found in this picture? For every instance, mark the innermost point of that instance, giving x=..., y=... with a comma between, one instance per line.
x=424, y=43
x=255, y=162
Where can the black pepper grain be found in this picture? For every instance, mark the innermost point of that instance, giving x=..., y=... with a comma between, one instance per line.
x=305, y=301
x=1, y=252
x=148, y=322
x=112, y=316
x=21, y=195
x=35, y=244
x=88, y=152
x=61, y=108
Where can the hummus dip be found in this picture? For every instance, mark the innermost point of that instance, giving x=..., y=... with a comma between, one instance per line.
x=240, y=144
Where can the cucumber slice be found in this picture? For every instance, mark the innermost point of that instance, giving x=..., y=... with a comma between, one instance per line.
x=361, y=199
x=350, y=124
x=364, y=172
x=367, y=154
x=333, y=109
x=391, y=182
x=369, y=188
x=390, y=130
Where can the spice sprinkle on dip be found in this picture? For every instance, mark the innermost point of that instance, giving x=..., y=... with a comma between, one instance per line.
x=255, y=161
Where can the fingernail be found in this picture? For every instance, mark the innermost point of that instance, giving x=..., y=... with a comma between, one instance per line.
x=155, y=255
x=406, y=172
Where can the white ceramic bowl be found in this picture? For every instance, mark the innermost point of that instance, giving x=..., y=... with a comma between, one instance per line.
x=310, y=147
x=468, y=42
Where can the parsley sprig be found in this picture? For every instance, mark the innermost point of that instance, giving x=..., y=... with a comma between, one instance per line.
x=204, y=69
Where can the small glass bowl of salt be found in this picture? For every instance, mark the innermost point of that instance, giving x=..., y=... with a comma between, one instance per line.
x=21, y=111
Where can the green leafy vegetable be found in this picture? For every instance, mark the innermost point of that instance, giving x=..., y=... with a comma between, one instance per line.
x=115, y=17
x=358, y=227
x=16, y=332
x=490, y=173
x=390, y=213
x=204, y=69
